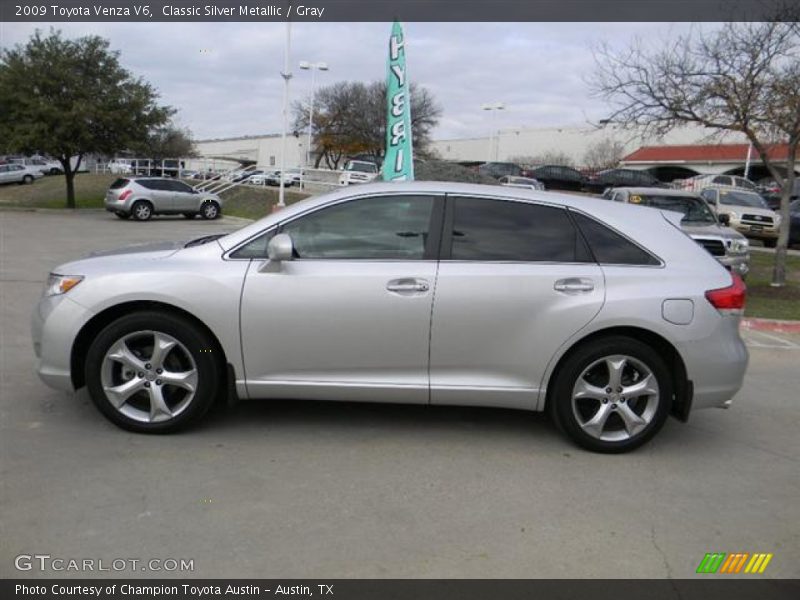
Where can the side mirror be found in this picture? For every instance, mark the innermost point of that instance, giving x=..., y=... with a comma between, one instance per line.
x=280, y=248
x=725, y=219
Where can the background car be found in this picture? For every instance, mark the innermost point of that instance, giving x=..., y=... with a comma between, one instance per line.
x=605, y=315
x=602, y=180
x=143, y=197
x=747, y=212
x=701, y=182
x=502, y=169
x=794, y=229
x=727, y=245
x=358, y=171
x=521, y=182
x=16, y=173
x=39, y=163
x=555, y=177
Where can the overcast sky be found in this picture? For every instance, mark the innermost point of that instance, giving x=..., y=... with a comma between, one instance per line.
x=224, y=77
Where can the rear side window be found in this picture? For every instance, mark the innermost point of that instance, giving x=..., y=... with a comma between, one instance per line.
x=609, y=247
x=501, y=230
x=119, y=183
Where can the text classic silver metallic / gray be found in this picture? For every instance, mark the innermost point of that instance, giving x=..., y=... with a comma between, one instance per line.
x=606, y=315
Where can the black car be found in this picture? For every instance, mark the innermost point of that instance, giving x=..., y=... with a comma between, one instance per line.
x=772, y=194
x=501, y=169
x=794, y=225
x=603, y=180
x=557, y=177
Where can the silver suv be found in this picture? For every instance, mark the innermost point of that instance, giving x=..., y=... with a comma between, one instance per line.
x=727, y=245
x=604, y=314
x=143, y=197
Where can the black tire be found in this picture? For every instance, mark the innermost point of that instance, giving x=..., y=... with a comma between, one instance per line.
x=190, y=215
x=563, y=412
x=142, y=210
x=770, y=243
x=27, y=179
x=210, y=210
x=208, y=365
x=123, y=215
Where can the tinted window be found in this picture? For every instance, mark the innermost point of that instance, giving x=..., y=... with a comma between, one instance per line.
x=609, y=247
x=709, y=195
x=150, y=184
x=500, y=230
x=119, y=183
x=390, y=227
x=179, y=186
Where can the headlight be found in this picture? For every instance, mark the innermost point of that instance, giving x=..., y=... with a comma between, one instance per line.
x=61, y=284
x=740, y=246
x=733, y=216
x=777, y=220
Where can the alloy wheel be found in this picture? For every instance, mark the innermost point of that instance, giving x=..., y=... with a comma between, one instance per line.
x=615, y=398
x=149, y=376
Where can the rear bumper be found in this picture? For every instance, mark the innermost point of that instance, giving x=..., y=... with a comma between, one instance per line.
x=716, y=364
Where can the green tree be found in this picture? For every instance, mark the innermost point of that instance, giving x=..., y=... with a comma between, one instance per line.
x=169, y=142
x=68, y=98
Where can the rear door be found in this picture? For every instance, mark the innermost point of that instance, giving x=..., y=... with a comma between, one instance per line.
x=515, y=283
x=158, y=192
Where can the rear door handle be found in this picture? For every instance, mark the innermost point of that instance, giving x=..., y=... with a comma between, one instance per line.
x=574, y=285
x=408, y=285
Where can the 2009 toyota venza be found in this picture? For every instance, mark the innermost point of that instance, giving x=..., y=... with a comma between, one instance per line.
x=605, y=315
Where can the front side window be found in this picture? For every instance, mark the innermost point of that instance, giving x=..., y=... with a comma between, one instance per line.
x=501, y=230
x=383, y=227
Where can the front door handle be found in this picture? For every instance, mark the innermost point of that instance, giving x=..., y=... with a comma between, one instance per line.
x=574, y=285
x=408, y=285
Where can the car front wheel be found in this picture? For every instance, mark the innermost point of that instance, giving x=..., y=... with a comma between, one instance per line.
x=209, y=210
x=152, y=373
x=612, y=395
x=27, y=179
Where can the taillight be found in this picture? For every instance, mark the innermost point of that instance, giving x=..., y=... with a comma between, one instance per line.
x=730, y=298
x=124, y=195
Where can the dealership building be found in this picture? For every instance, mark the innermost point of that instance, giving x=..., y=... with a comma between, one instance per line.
x=680, y=153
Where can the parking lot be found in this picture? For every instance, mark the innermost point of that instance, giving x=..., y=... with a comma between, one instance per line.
x=304, y=489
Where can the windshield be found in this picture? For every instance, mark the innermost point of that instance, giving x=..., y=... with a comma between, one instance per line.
x=694, y=210
x=364, y=167
x=732, y=198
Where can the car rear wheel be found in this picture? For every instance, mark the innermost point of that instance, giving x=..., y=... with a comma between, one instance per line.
x=152, y=373
x=27, y=179
x=612, y=395
x=142, y=210
x=209, y=210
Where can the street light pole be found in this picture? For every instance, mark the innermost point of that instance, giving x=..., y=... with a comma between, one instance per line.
x=287, y=75
x=313, y=67
x=493, y=108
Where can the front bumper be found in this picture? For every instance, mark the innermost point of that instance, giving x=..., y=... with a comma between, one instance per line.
x=55, y=323
x=767, y=233
x=737, y=263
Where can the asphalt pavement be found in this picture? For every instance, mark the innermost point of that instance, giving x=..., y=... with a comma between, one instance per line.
x=307, y=489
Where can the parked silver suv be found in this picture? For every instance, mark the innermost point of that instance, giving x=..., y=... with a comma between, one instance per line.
x=725, y=244
x=606, y=315
x=143, y=197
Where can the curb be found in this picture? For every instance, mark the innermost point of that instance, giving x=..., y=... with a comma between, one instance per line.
x=773, y=325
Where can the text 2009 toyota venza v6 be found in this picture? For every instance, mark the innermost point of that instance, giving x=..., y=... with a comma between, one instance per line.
x=605, y=315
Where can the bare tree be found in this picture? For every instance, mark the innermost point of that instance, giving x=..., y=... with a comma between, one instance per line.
x=604, y=154
x=350, y=119
x=742, y=77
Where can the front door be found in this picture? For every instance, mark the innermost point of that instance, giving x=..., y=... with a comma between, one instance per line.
x=349, y=317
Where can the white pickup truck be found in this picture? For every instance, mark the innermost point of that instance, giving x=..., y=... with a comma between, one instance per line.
x=358, y=171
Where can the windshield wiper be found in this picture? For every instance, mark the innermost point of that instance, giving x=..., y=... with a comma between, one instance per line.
x=204, y=240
